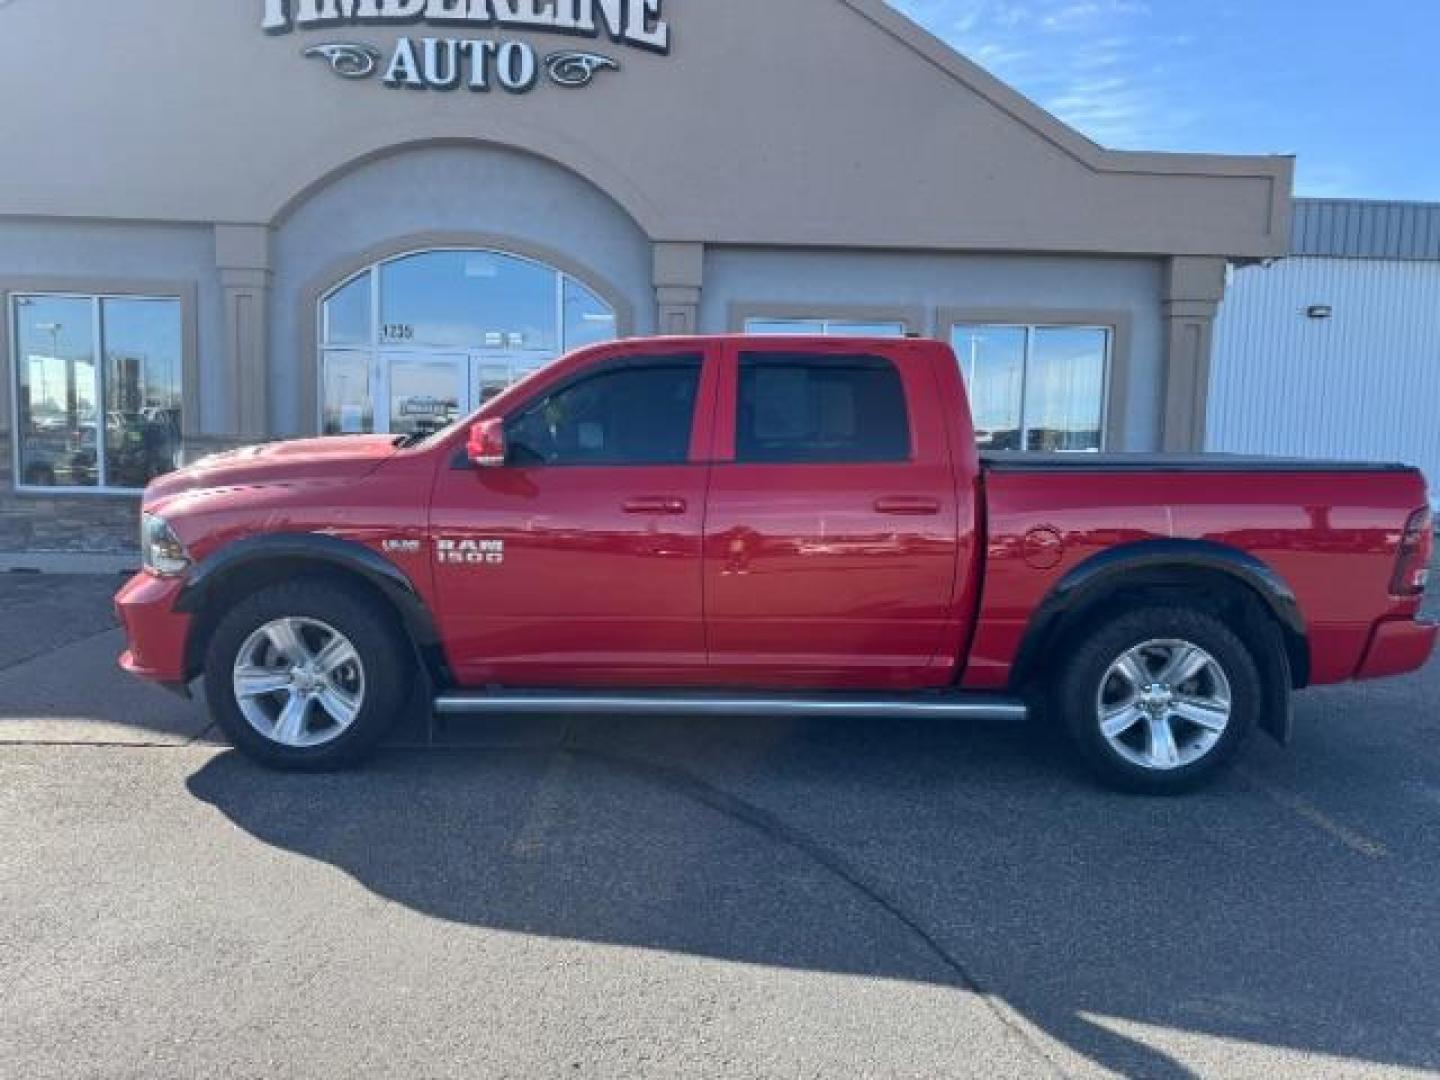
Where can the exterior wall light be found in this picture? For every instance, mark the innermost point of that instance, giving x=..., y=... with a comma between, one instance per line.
x=1319, y=311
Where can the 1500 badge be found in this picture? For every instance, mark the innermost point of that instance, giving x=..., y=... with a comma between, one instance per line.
x=470, y=552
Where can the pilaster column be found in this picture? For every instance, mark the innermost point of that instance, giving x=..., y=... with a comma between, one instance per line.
x=242, y=255
x=1194, y=287
x=679, y=279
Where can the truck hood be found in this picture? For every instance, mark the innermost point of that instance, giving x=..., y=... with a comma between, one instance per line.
x=343, y=458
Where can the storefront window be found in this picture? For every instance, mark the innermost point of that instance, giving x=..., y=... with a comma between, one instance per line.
x=464, y=298
x=97, y=390
x=588, y=319
x=347, y=314
x=824, y=328
x=453, y=329
x=1035, y=388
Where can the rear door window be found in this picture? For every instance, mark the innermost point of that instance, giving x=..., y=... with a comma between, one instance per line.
x=805, y=408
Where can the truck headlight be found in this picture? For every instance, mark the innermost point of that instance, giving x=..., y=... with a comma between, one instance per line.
x=160, y=549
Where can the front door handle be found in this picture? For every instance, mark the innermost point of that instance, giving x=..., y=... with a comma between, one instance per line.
x=657, y=505
x=908, y=506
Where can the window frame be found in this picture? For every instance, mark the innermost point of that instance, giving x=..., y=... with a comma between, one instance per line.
x=96, y=293
x=797, y=357
x=377, y=349
x=827, y=327
x=607, y=368
x=1117, y=328
x=911, y=319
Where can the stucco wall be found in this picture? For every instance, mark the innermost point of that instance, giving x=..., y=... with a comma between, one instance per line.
x=802, y=122
x=445, y=193
x=930, y=284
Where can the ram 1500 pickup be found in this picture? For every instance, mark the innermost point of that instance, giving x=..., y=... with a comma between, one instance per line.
x=787, y=527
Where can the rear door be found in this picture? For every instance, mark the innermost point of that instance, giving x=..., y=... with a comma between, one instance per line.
x=832, y=536
x=578, y=562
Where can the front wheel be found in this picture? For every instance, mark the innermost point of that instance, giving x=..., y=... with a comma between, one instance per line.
x=1160, y=699
x=307, y=675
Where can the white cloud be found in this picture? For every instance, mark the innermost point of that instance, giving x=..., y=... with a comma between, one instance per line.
x=1099, y=65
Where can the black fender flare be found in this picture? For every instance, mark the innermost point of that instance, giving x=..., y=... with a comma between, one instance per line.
x=331, y=552
x=1105, y=572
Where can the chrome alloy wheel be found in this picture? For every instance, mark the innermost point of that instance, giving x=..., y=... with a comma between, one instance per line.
x=299, y=682
x=1164, y=705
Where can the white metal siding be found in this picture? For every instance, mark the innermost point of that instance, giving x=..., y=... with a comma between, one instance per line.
x=1362, y=385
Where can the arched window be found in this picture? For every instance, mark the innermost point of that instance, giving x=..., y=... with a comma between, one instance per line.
x=416, y=341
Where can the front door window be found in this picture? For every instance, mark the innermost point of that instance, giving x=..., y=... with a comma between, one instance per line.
x=415, y=342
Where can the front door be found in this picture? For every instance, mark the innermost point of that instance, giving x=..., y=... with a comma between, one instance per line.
x=833, y=531
x=578, y=563
x=423, y=392
x=492, y=372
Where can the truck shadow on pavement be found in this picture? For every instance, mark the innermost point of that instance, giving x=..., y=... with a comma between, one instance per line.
x=948, y=854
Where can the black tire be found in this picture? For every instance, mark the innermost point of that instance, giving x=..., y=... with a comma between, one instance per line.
x=385, y=662
x=1086, y=678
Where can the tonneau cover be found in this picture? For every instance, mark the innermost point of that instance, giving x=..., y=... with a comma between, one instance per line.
x=1014, y=461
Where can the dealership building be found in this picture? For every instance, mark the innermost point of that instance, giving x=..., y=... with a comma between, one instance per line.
x=230, y=222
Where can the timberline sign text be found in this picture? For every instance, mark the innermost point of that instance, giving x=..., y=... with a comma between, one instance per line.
x=640, y=24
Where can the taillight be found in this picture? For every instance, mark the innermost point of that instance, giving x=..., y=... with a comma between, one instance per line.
x=1417, y=547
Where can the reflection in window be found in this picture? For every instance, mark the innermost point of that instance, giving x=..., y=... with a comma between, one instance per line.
x=641, y=415
x=491, y=380
x=811, y=409
x=1065, y=389
x=493, y=319
x=84, y=423
x=993, y=361
x=470, y=299
x=824, y=328
x=347, y=314
x=142, y=389
x=1035, y=388
x=346, y=408
x=588, y=319
x=424, y=395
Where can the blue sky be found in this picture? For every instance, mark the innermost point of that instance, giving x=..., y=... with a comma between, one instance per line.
x=1352, y=89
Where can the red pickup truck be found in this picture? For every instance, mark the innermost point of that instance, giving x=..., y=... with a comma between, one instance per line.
x=773, y=526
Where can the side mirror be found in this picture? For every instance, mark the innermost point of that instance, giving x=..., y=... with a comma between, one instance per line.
x=486, y=447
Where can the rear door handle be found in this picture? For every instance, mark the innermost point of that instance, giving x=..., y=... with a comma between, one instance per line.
x=913, y=507
x=657, y=505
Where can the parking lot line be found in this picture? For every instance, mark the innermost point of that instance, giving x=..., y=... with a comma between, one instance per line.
x=1309, y=812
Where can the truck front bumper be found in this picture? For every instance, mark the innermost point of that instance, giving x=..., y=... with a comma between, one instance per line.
x=156, y=634
x=1397, y=647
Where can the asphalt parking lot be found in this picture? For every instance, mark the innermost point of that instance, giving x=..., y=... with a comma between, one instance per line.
x=710, y=898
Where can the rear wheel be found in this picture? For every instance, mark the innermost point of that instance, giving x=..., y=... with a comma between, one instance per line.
x=307, y=675
x=1159, y=699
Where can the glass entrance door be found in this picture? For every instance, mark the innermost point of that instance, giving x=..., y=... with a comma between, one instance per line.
x=423, y=392
x=416, y=341
x=491, y=373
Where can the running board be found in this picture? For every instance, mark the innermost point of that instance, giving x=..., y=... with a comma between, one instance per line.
x=918, y=706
